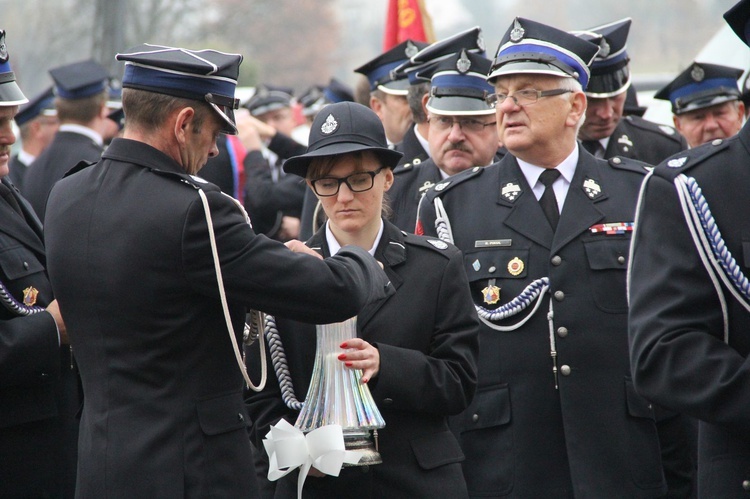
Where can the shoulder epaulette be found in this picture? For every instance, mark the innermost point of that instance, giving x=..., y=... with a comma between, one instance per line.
x=191, y=180
x=685, y=160
x=431, y=243
x=629, y=164
x=450, y=182
x=659, y=129
x=407, y=167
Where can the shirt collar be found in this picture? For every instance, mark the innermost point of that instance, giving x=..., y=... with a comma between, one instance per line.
x=83, y=130
x=567, y=168
x=334, y=246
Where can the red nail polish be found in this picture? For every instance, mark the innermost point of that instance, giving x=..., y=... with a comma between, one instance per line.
x=365, y=380
x=343, y=345
x=342, y=356
x=348, y=364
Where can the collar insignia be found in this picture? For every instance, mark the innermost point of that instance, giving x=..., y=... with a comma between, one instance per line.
x=510, y=191
x=592, y=189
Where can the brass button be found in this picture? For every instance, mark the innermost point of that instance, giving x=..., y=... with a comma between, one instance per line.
x=565, y=370
x=621, y=259
x=716, y=142
x=616, y=160
x=492, y=269
x=559, y=295
x=556, y=260
x=562, y=332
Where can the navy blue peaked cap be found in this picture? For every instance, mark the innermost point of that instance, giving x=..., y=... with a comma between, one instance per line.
x=610, y=71
x=701, y=85
x=80, y=79
x=380, y=71
x=459, y=85
x=10, y=92
x=532, y=47
x=203, y=75
x=42, y=104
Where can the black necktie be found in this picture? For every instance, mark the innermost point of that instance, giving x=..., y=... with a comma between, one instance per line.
x=548, y=199
x=594, y=147
x=10, y=198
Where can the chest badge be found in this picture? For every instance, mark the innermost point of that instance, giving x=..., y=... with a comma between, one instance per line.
x=491, y=294
x=510, y=191
x=592, y=189
x=515, y=266
x=29, y=296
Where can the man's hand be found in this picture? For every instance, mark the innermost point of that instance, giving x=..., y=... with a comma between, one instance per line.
x=54, y=309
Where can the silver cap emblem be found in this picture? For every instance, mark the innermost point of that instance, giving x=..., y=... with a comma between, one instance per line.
x=330, y=125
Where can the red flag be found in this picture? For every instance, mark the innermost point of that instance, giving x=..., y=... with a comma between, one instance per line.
x=407, y=20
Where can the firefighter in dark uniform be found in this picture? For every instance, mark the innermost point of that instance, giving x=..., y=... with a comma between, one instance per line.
x=154, y=268
x=689, y=310
x=545, y=235
x=37, y=124
x=607, y=133
x=81, y=98
x=462, y=131
x=39, y=389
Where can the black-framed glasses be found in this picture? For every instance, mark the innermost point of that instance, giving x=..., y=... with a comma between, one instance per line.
x=525, y=97
x=443, y=123
x=356, y=182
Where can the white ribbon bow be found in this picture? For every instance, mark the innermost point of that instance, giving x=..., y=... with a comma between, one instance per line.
x=288, y=448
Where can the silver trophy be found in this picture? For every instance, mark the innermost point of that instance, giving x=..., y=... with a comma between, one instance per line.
x=336, y=395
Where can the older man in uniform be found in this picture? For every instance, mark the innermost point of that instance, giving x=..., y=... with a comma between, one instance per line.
x=462, y=131
x=545, y=234
x=706, y=102
x=689, y=303
x=81, y=103
x=607, y=132
x=154, y=269
x=39, y=391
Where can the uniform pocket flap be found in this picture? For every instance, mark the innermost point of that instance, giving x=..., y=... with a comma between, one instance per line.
x=496, y=263
x=607, y=253
x=638, y=406
x=490, y=407
x=18, y=262
x=436, y=449
x=222, y=414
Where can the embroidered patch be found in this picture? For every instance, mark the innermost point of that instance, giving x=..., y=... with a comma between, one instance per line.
x=592, y=189
x=510, y=191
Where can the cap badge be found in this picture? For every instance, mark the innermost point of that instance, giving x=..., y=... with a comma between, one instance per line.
x=476, y=265
x=330, y=125
x=510, y=191
x=591, y=188
x=697, y=74
x=677, y=162
x=463, y=64
x=411, y=49
x=604, y=48
x=515, y=266
x=491, y=294
x=3, y=48
x=441, y=245
x=480, y=42
x=516, y=34
x=29, y=296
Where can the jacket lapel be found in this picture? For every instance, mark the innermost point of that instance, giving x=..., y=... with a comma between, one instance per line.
x=27, y=231
x=580, y=209
x=526, y=216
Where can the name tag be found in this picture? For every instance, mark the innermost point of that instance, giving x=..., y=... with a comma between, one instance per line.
x=492, y=243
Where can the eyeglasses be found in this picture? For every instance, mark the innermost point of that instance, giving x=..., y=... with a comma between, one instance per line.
x=356, y=182
x=443, y=123
x=525, y=97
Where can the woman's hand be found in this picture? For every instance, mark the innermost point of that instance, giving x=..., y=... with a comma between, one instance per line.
x=361, y=355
